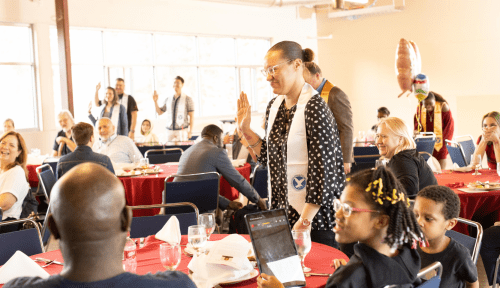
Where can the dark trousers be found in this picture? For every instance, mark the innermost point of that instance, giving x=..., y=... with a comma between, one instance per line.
x=490, y=249
x=326, y=237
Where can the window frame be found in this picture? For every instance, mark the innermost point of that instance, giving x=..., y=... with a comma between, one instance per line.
x=34, y=76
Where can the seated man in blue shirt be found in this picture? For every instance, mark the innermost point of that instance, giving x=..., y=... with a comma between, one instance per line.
x=92, y=242
x=208, y=156
x=83, y=133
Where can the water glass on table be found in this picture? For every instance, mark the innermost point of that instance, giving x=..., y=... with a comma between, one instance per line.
x=207, y=220
x=302, y=239
x=197, y=237
x=144, y=163
x=475, y=161
x=170, y=255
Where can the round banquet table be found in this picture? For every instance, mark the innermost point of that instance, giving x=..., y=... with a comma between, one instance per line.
x=477, y=205
x=147, y=190
x=148, y=260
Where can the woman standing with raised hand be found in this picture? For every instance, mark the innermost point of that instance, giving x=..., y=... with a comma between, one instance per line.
x=112, y=109
x=301, y=147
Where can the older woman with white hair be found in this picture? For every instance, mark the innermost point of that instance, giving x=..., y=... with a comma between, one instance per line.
x=64, y=143
x=395, y=143
x=8, y=125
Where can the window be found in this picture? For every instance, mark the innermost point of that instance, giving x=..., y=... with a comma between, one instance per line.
x=17, y=76
x=215, y=69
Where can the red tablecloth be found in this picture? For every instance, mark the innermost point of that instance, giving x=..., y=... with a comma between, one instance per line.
x=147, y=190
x=148, y=260
x=474, y=206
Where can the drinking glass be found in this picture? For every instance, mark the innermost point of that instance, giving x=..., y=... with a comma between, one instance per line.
x=302, y=239
x=207, y=220
x=476, y=159
x=197, y=237
x=136, y=160
x=498, y=168
x=170, y=255
x=144, y=163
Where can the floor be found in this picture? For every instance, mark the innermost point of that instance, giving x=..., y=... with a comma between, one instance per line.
x=483, y=281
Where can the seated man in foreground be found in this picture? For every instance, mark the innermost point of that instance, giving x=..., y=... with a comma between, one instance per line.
x=92, y=242
x=83, y=133
x=208, y=156
x=120, y=149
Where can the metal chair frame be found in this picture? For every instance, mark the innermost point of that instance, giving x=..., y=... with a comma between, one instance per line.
x=467, y=159
x=495, y=284
x=39, y=170
x=163, y=150
x=434, y=266
x=459, y=147
x=19, y=221
x=479, y=238
x=153, y=206
x=190, y=175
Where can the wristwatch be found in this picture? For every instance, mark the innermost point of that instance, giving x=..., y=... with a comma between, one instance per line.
x=304, y=221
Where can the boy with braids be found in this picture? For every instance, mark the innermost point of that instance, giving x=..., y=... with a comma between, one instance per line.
x=374, y=210
x=436, y=209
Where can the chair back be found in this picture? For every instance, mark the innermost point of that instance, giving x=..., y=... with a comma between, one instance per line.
x=28, y=241
x=471, y=243
x=433, y=282
x=496, y=279
x=456, y=153
x=150, y=225
x=160, y=156
x=364, y=158
x=467, y=145
x=52, y=161
x=47, y=178
x=425, y=144
x=203, y=193
x=259, y=181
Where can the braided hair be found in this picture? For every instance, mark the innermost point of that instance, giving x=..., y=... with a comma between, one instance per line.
x=386, y=194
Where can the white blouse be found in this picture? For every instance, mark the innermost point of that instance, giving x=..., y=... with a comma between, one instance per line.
x=14, y=182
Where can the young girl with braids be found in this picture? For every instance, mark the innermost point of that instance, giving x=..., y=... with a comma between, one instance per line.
x=374, y=211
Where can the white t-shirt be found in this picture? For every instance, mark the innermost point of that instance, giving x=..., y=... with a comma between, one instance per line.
x=14, y=181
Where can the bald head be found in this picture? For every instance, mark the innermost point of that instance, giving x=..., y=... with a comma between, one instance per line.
x=88, y=203
x=106, y=128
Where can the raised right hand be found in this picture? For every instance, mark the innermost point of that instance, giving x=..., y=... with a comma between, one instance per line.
x=155, y=96
x=244, y=115
x=98, y=87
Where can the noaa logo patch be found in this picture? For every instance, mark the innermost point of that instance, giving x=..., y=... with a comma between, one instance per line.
x=299, y=182
x=180, y=117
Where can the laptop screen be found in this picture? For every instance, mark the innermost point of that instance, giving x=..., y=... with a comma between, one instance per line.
x=274, y=246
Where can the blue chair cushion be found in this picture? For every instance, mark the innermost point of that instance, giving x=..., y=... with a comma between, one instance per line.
x=202, y=193
x=26, y=241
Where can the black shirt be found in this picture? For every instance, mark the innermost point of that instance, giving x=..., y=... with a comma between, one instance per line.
x=458, y=267
x=131, y=107
x=368, y=268
x=66, y=149
x=325, y=171
x=412, y=171
x=168, y=279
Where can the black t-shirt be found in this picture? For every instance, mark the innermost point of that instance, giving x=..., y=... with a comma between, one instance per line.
x=131, y=107
x=66, y=149
x=166, y=279
x=457, y=265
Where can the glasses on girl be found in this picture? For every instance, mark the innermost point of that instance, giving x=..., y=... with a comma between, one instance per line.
x=348, y=209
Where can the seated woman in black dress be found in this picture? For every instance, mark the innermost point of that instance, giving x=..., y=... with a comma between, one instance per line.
x=395, y=143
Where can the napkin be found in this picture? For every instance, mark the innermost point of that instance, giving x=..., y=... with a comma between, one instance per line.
x=207, y=270
x=171, y=232
x=434, y=164
x=20, y=265
x=461, y=169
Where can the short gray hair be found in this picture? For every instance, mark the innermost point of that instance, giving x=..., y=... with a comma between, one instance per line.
x=67, y=113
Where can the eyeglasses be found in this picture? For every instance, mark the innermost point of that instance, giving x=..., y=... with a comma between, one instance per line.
x=348, y=209
x=272, y=70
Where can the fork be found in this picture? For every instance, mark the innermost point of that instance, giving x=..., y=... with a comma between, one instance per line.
x=48, y=263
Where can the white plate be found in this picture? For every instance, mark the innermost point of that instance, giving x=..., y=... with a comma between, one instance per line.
x=128, y=174
x=189, y=250
x=249, y=276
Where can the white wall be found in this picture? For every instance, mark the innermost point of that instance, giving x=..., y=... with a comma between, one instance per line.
x=181, y=16
x=459, y=41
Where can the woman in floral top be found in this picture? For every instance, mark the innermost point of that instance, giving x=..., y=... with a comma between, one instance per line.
x=302, y=146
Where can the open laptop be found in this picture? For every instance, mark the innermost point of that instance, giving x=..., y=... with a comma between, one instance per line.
x=274, y=247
